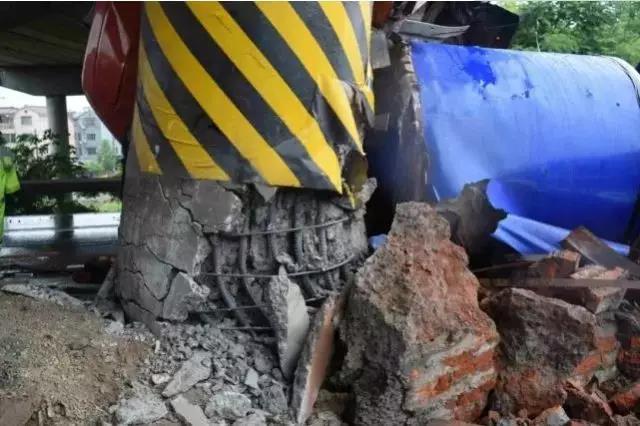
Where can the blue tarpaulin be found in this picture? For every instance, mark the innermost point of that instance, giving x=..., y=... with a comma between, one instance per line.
x=557, y=134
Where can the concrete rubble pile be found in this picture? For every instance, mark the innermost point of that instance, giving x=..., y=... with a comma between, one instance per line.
x=201, y=375
x=414, y=337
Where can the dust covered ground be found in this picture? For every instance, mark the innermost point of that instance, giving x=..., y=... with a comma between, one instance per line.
x=58, y=365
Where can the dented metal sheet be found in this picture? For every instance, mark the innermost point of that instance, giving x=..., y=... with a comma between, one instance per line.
x=252, y=92
x=557, y=134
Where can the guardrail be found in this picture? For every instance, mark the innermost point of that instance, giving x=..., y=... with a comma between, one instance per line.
x=63, y=186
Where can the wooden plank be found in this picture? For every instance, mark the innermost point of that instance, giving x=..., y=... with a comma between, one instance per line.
x=593, y=249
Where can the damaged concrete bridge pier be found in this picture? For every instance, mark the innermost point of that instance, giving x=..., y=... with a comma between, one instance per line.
x=208, y=221
x=245, y=183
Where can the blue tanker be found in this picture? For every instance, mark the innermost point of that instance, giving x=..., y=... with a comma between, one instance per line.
x=557, y=134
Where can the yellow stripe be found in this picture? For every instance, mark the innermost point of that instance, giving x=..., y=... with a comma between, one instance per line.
x=365, y=9
x=296, y=34
x=337, y=16
x=195, y=158
x=217, y=105
x=270, y=85
x=146, y=159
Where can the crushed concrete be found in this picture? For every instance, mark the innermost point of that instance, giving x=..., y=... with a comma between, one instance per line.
x=142, y=407
x=188, y=413
x=192, y=371
x=228, y=405
x=185, y=296
x=204, y=368
x=418, y=346
x=43, y=293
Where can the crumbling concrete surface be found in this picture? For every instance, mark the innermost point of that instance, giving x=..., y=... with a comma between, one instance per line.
x=544, y=342
x=188, y=247
x=418, y=346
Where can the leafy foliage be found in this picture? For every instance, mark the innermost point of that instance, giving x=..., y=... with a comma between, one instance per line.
x=585, y=27
x=107, y=163
x=43, y=159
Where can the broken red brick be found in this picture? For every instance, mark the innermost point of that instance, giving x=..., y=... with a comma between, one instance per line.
x=418, y=346
x=628, y=320
x=559, y=264
x=588, y=406
x=625, y=401
x=545, y=341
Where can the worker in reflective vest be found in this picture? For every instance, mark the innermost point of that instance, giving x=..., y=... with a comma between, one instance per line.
x=8, y=181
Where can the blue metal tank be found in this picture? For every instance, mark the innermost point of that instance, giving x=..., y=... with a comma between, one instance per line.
x=557, y=134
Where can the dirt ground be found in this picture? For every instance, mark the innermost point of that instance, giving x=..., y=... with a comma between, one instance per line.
x=58, y=366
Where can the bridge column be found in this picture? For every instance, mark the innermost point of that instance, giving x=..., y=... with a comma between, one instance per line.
x=58, y=122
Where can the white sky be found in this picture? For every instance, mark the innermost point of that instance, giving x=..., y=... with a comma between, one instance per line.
x=10, y=97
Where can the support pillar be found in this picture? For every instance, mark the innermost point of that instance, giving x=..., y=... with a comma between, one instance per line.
x=58, y=121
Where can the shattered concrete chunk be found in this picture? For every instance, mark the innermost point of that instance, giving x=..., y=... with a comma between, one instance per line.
x=314, y=360
x=192, y=371
x=545, y=341
x=188, y=413
x=159, y=379
x=325, y=418
x=262, y=362
x=253, y=419
x=42, y=293
x=418, y=346
x=471, y=216
x=143, y=408
x=251, y=379
x=554, y=416
x=289, y=318
x=274, y=400
x=229, y=405
x=185, y=296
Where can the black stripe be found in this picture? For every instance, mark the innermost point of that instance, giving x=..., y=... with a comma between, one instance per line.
x=322, y=30
x=263, y=34
x=245, y=96
x=354, y=12
x=165, y=155
x=221, y=150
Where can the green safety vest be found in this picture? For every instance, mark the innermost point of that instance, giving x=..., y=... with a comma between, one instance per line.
x=8, y=181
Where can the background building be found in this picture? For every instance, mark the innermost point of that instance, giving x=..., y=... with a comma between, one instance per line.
x=29, y=119
x=89, y=132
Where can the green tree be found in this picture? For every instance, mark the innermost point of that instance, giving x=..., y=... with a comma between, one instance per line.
x=584, y=27
x=107, y=157
x=42, y=159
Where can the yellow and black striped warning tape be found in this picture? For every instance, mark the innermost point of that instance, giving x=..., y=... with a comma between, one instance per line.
x=251, y=92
